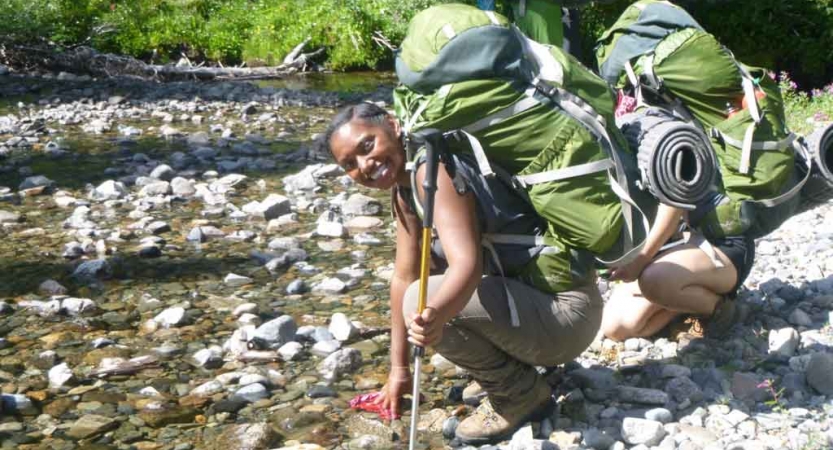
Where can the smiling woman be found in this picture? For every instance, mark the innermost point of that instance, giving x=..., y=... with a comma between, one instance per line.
x=364, y=140
x=471, y=316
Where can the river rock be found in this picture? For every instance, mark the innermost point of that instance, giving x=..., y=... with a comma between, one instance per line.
x=208, y=389
x=60, y=375
x=249, y=436
x=270, y=208
x=163, y=172
x=361, y=205
x=290, y=350
x=90, y=271
x=643, y=396
x=330, y=286
x=209, y=358
x=331, y=229
x=156, y=188
x=159, y=416
x=252, y=392
x=109, y=190
x=284, y=243
x=170, y=317
x=641, y=431
x=339, y=362
x=77, y=306
x=682, y=389
x=10, y=217
x=325, y=348
x=235, y=280
x=342, y=328
x=182, y=187
x=783, y=342
x=276, y=332
x=51, y=287
x=17, y=404
x=296, y=287
x=36, y=182
x=745, y=387
x=800, y=318
x=595, y=438
x=304, y=180
x=90, y=425
x=819, y=373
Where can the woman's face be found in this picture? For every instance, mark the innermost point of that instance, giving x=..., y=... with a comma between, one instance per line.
x=371, y=154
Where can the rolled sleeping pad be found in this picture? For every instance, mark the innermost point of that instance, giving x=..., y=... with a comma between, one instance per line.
x=676, y=161
x=819, y=188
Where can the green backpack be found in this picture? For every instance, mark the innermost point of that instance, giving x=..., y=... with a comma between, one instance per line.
x=532, y=111
x=660, y=52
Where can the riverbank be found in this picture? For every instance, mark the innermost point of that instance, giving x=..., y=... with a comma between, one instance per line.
x=180, y=268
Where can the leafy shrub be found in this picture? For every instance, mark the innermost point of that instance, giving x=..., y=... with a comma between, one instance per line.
x=794, y=36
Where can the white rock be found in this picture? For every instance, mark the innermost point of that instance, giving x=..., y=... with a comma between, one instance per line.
x=59, y=375
x=244, y=308
x=331, y=229
x=208, y=356
x=441, y=363
x=252, y=392
x=77, y=306
x=325, y=348
x=641, y=431
x=330, y=286
x=235, y=280
x=342, y=328
x=252, y=378
x=290, y=350
x=149, y=391
x=208, y=388
x=249, y=319
x=783, y=342
x=109, y=190
x=170, y=317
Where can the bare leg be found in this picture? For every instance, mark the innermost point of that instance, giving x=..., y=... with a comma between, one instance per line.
x=685, y=280
x=681, y=280
x=627, y=314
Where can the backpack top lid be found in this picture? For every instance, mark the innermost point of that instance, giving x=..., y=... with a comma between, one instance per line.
x=452, y=42
x=638, y=31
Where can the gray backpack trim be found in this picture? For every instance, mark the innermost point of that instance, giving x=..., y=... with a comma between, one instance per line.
x=656, y=21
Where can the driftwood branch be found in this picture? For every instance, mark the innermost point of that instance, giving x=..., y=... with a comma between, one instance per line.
x=85, y=59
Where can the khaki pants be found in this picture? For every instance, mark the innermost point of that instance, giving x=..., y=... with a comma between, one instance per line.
x=553, y=330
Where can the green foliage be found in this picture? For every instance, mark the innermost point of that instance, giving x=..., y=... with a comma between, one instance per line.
x=796, y=36
x=805, y=109
x=782, y=35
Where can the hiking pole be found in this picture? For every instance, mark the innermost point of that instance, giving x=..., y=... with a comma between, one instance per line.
x=429, y=185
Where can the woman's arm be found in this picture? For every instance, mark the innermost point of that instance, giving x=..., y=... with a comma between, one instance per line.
x=666, y=224
x=455, y=219
x=406, y=271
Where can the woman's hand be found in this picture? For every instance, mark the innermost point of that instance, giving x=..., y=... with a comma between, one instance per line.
x=425, y=329
x=630, y=271
x=399, y=384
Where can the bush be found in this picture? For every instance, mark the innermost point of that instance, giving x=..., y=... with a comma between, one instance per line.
x=231, y=31
x=793, y=36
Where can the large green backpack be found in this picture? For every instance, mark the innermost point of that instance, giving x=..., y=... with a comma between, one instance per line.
x=531, y=110
x=660, y=52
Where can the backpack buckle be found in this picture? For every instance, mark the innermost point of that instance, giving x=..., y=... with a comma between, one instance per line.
x=542, y=87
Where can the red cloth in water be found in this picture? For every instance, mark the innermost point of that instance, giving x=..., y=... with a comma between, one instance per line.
x=366, y=402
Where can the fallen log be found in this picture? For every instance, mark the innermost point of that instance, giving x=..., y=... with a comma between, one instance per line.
x=87, y=60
